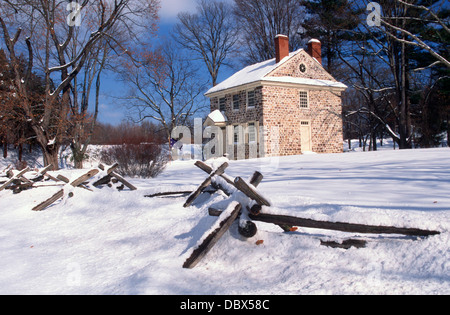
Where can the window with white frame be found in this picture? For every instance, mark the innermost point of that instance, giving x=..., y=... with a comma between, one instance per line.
x=252, y=132
x=304, y=99
x=250, y=99
x=236, y=134
x=236, y=102
x=222, y=104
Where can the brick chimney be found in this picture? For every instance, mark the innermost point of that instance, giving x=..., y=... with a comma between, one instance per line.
x=315, y=49
x=281, y=47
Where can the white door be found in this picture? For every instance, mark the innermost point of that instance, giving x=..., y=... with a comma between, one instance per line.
x=305, y=136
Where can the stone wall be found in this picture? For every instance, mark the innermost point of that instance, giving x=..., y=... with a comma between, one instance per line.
x=281, y=110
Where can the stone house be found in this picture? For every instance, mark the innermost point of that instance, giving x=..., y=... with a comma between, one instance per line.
x=284, y=106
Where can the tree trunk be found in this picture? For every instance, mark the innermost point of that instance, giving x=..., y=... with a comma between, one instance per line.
x=20, y=152
x=5, y=148
x=78, y=155
x=448, y=131
x=405, y=115
x=51, y=156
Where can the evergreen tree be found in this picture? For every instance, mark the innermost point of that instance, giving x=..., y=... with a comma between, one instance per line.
x=330, y=22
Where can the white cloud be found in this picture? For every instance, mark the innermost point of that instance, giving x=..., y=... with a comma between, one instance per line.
x=171, y=8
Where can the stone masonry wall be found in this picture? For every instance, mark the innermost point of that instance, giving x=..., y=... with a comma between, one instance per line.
x=313, y=70
x=282, y=110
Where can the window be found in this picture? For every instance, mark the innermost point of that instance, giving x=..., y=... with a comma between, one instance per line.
x=302, y=68
x=236, y=102
x=236, y=134
x=251, y=132
x=222, y=102
x=304, y=99
x=250, y=99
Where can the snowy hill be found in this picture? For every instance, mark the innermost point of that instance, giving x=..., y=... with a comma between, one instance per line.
x=109, y=242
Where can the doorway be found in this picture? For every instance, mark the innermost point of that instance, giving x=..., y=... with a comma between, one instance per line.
x=305, y=136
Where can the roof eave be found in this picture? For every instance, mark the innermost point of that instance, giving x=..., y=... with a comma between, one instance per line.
x=335, y=87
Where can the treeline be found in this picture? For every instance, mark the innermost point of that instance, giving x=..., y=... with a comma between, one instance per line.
x=128, y=133
x=68, y=52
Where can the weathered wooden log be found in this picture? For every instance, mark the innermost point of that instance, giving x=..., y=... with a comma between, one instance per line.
x=123, y=181
x=248, y=229
x=214, y=212
x=66, y=180
x=103, y=181
x=6, y=169
x=106, y=179
x=212, y=238
x=63, y=178
x=40, y=175
x=338, y=226
x=346, y=244
x=208, y=169
x=17, y=189
x=112, y=173
x=220, y=170
x=255, y=209
x=170, y=193
x=49, y=201
x=17, y=176
x=256, y=179
x=77, y=182
x=250, y=192
x=47, y=175
x=25, y=180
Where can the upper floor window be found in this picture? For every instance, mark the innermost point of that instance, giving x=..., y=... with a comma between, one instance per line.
x=250, y=99
x=304, y=103
x=236, y=102
x=222, y=102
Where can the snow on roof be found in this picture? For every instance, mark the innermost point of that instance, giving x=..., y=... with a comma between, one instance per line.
x=217, y=116
x=258, y=73
x=250, y=74
x=305, y=81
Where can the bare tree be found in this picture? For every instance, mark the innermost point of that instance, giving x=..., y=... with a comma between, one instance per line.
x=85, y=106
x=426, y=14
x=260, y=21
x=393, y=89
x=49, y=32
x=329, y=21
x=210, y=33
x=164, y=87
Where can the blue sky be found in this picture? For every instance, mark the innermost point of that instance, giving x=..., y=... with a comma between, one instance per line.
x=109, y=110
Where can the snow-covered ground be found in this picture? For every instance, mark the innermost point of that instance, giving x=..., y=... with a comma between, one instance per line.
x=110, y=242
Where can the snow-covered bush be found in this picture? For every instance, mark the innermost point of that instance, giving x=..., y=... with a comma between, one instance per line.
x=136, y=160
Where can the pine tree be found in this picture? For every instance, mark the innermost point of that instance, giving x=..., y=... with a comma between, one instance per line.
x=330, y=22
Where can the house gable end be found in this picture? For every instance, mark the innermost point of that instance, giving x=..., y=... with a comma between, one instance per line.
x=301, y=65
